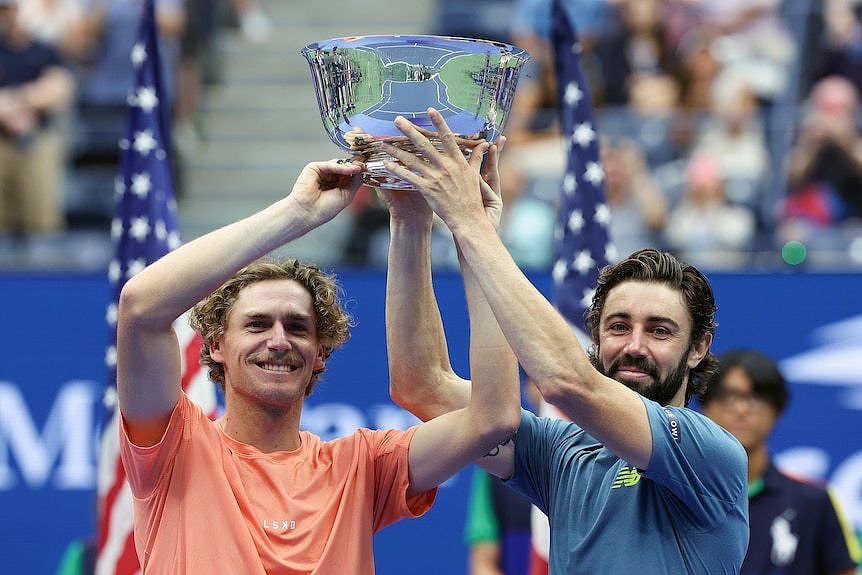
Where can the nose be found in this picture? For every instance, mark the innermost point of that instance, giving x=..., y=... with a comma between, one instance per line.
x=636, y=345
x=278, y=339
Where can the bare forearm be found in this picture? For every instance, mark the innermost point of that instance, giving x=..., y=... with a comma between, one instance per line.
x=52, y=91
x=495, y=385
x=539, y=336
x=168, y=287
x=421, y=378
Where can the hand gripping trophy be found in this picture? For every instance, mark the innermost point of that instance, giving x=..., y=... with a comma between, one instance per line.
x=363, y=83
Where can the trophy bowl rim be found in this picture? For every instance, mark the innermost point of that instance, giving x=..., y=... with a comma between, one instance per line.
x=356, y=40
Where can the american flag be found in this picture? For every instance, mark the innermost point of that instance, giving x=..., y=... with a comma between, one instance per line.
x=583, y=245
x=143, y=230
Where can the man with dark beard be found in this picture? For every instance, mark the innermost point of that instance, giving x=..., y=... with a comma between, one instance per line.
x=635, y=482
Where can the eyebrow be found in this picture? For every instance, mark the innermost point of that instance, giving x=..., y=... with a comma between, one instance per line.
x=293, y=316
x=650, y=319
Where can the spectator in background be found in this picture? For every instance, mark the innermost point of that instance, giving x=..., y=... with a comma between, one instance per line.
x=840, y=49
x=534, y=142
x=751, y=34
x=733, y=132
x=825, y=164
x=34, y=88
x=55, y=22
x=704, y=228
x=106, y=75
x=638, y=206
x=796, y=526
x=638, y=66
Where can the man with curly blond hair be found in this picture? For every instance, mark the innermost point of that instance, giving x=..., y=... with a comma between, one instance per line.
x=251, y=492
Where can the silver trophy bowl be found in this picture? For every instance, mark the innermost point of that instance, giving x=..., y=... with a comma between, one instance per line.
x=363, y=83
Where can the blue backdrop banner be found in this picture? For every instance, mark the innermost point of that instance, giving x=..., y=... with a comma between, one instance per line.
x=52, y=373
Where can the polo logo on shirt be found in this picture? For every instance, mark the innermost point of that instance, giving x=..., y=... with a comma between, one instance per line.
x=784, y=541
x=280, y=525
x=626, y=477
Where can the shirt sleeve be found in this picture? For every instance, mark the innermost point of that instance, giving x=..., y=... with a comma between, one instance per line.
x=145, y=465
x=703, y=466
x=535, y=441
x=389, y=453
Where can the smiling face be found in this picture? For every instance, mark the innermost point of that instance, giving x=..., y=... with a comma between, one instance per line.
x=645, y=341
x=270, y=347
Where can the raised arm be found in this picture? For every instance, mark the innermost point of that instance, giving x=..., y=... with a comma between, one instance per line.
x=421, y=379
x=148, y=356
x=542, y=340
x=480, y=431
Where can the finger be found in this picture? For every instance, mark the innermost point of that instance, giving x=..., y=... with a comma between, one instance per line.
x=450, y=146
x=501, y=143
x=489, y=194
x=477, y=155
x=340, y=166
x=409, y=159
x=423, y=144
x=400, y=171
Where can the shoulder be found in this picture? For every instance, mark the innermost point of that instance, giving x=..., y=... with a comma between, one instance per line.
x=377, y=441
x=689, y=431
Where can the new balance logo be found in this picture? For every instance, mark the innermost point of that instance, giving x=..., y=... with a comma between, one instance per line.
x=626, y=477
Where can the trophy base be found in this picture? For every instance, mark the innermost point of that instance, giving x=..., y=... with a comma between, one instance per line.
x=377, y=176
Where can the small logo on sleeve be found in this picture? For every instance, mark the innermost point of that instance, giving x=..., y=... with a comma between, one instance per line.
x=673, y=423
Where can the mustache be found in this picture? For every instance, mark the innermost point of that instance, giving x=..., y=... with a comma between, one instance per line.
x=290, y=357
x=639, y=363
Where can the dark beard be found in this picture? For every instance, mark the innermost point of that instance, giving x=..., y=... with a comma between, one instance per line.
x=660, y=391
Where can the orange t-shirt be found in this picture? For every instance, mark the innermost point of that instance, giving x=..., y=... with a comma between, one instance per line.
x=205, y=503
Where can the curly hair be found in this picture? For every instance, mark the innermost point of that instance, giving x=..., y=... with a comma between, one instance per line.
x=209, y=316
x=653, y=266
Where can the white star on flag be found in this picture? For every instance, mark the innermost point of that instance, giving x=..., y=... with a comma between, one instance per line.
x=141, y=185
x=583, y=135
x=136, y=266
x=139, y=54
x=570, y=184
x=145, y=99
x=584, y=262
x=111, y=314
x=144, y=142
x=575, y=222
x=560, y=270
x=587, y=297
x=140, y=228
x=573, y=94
x=594, y=173
x=114, y=271
x=603, y=214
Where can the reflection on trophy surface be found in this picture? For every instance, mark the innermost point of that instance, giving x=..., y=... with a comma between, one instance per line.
x=363, y=83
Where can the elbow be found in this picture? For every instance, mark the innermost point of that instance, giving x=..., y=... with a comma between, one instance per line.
x=501, y=428
x=559, y=390
x=134, y=305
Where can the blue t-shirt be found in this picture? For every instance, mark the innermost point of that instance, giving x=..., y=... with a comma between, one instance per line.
x=687, y=513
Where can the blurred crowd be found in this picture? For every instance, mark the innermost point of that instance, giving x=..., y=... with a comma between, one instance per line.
x=65, y=75
x=730, y=128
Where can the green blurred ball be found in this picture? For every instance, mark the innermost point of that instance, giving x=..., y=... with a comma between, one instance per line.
x=794, y=252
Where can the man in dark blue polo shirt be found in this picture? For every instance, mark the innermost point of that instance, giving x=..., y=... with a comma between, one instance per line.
x=796, y=525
